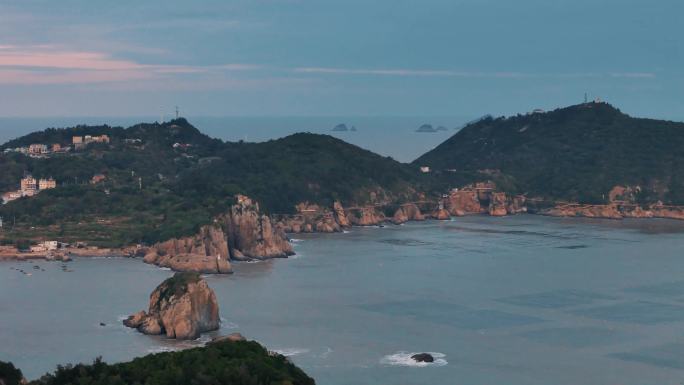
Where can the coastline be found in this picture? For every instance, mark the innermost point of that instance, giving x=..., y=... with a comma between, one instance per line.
x=324, y=221
x=8, y=253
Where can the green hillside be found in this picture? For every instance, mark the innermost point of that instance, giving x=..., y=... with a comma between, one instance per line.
x=235, y=363
x=155, y=190
x=576, y=153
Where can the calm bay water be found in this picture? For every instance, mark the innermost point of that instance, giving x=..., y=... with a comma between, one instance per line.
x=386, y=135
x=517, y=300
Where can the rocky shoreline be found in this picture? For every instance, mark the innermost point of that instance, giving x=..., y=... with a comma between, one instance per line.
x=244, y=233
x=66, y=254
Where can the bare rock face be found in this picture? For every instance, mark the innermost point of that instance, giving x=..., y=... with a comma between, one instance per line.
x=252, y=234
x=463, y=202
x=312, y=218
x=206, y=252
x=181, y=307
x=241, y=234
x=517, y=205
x=441, y=214
x=497, y=204
x=610, y=211
x=340, y=215
x=661, y=211
x=407, y=212
x=366, y=216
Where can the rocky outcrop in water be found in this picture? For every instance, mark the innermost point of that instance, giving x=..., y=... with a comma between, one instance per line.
x=205, y=252
x=340, y=215
x=423, y=357
x=441, y=214
x=407, y=212
x=311, y=218
x=622, y=203
x=251, y=235
x=241, y=234
x=463, y=202
x=366, y=216
x=181, y=307
x=497, y=204
x=587, y=211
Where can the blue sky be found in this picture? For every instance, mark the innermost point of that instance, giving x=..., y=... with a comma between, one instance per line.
x=318, y=57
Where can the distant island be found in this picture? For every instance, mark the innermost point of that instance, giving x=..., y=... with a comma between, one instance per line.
x=343, y=128
x=167, y=191
x=426, y=128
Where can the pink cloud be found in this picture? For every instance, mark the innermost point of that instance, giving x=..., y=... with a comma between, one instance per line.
x=47, y=58
x=20, y=76
x=52, y=65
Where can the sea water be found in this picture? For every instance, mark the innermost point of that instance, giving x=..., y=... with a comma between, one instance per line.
x=516, y=300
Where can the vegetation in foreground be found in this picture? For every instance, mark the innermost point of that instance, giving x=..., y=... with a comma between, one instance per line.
x=233, y=363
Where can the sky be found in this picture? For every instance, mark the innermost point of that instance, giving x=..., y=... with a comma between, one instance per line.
x=338, y=58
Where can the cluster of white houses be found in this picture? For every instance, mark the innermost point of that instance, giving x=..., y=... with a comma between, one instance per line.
x=39, y=150
x=29, y=186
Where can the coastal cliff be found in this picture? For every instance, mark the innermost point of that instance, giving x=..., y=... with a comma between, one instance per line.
x=407, y=212
x=181, y=307
x=244, y=233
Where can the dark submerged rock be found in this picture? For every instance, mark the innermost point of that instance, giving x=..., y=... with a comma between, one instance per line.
x=423, y=357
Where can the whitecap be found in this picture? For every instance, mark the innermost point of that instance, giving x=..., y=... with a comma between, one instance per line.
x=165, y=268
x=346, y=231
x=289, y=352
x=404, y=359
x=296, y=240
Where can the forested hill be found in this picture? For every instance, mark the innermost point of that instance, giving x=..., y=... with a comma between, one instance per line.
x=165, y=180
x=576, y=153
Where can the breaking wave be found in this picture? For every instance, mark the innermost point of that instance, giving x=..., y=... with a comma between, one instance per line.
x=289, y=352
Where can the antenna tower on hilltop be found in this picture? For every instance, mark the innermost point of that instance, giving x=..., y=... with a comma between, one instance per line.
x=176, y=112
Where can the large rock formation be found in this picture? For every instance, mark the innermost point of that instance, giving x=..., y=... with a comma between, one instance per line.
x=366, y=216
x=517, y=204
x=497, y=204
x=181, y=307
x=463, y=202
x=340, y=215
x=251, y=235
x=206, y=252
x=441, y=214
x=407, y=212
x=589, y=211
x=312, y=218
x=241, y=234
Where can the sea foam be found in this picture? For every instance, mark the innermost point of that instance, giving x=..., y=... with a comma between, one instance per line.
x=289, y=352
